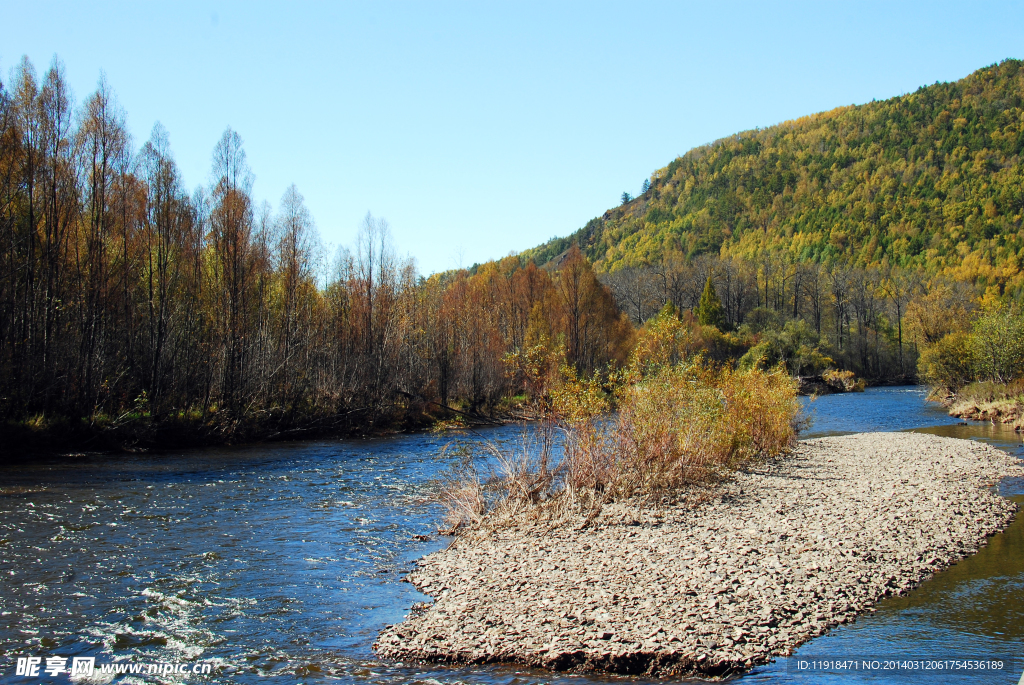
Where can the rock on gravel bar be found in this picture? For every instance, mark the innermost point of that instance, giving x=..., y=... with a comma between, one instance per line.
x=780, y=554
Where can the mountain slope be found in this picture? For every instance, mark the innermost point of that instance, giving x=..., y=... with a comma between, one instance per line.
x=933, y=179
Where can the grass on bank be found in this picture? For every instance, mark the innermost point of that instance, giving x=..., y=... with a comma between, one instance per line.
x=667, y=421
x=991, y=401
x=978, y=372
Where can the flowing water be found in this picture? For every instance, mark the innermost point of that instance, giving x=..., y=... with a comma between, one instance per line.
x=284, y=561
x=972, y=611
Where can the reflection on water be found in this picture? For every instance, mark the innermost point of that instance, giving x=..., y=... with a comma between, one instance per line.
x=986, y=588
x=973, y=609
x=284, y=561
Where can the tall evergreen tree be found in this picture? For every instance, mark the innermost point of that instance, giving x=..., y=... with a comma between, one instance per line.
x=709, y=311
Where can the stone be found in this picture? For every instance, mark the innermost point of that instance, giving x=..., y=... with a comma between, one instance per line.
x=725, y=580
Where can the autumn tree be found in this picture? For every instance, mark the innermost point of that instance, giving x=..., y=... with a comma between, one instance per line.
x=296, y=244
x=589, y=315
x=634, y=287
x=125, y=299
x=900, y=286
x=236, y=259
x=104, y=157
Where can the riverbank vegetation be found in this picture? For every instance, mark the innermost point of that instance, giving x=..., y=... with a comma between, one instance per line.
x=855, y=244
x=977, y=367
x=136, y=311
x=814, y=318
x=679, y=420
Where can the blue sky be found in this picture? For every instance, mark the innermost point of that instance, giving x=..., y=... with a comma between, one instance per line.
x=477, y=129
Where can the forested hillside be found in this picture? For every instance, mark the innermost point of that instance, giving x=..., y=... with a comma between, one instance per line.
x=851, y=240
x=855, y=237
x=931, y=180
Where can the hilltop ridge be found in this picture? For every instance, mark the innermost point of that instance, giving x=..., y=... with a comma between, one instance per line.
x=933, y=179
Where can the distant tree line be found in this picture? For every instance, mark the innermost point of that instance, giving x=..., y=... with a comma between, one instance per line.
x=125, y=295
x=866, y=320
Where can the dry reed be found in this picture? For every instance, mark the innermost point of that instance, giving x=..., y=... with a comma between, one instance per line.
x=679, y=422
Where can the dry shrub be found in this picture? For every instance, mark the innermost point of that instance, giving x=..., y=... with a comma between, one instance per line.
x=461, y=493
x=987, y=391
x=692, y=423
x=522, y=474
x=762, y=409
x=843, y=381
x=680, y=421
x=536, y=369
x=670, y=429
x=665, y=340
x=496, y=480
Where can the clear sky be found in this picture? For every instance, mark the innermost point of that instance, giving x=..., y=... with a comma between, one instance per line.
x=481, y=128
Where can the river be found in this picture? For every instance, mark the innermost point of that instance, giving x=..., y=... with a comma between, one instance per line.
x=285, y=560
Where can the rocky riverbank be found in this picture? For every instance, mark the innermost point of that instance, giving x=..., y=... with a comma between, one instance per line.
x=781, y=554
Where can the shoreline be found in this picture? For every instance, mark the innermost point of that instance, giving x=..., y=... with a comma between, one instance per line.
x=69, y=439
x=997, y=413
x=782, y=553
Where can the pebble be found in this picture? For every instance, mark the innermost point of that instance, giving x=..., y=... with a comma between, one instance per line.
x=781, y=553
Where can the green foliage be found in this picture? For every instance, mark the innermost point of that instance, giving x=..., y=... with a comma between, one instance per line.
x=669, y=311
x=949, y=362
x=987, y=392
x=992, y=351
x=797, y=346
x=762, y=319
x=709, y=311
x=721, y=348
x=997, y=343
x=932, y=179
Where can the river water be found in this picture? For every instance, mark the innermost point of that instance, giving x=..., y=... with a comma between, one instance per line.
x=284, y=561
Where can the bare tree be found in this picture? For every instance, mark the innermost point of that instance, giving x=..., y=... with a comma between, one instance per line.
x=295, y=248
x=104, y=156
x=900, y=286
x=635, y=291
x=814, y=283
x=231, y=233
x=838, y=278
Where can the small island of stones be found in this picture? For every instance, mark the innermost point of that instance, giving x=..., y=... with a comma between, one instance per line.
x=784, y=551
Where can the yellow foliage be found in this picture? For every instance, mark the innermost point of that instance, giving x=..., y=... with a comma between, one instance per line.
x=691, y=422
x=843, y=381
x=576, y=401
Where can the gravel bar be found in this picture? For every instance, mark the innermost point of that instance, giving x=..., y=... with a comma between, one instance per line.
x=781, y=554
